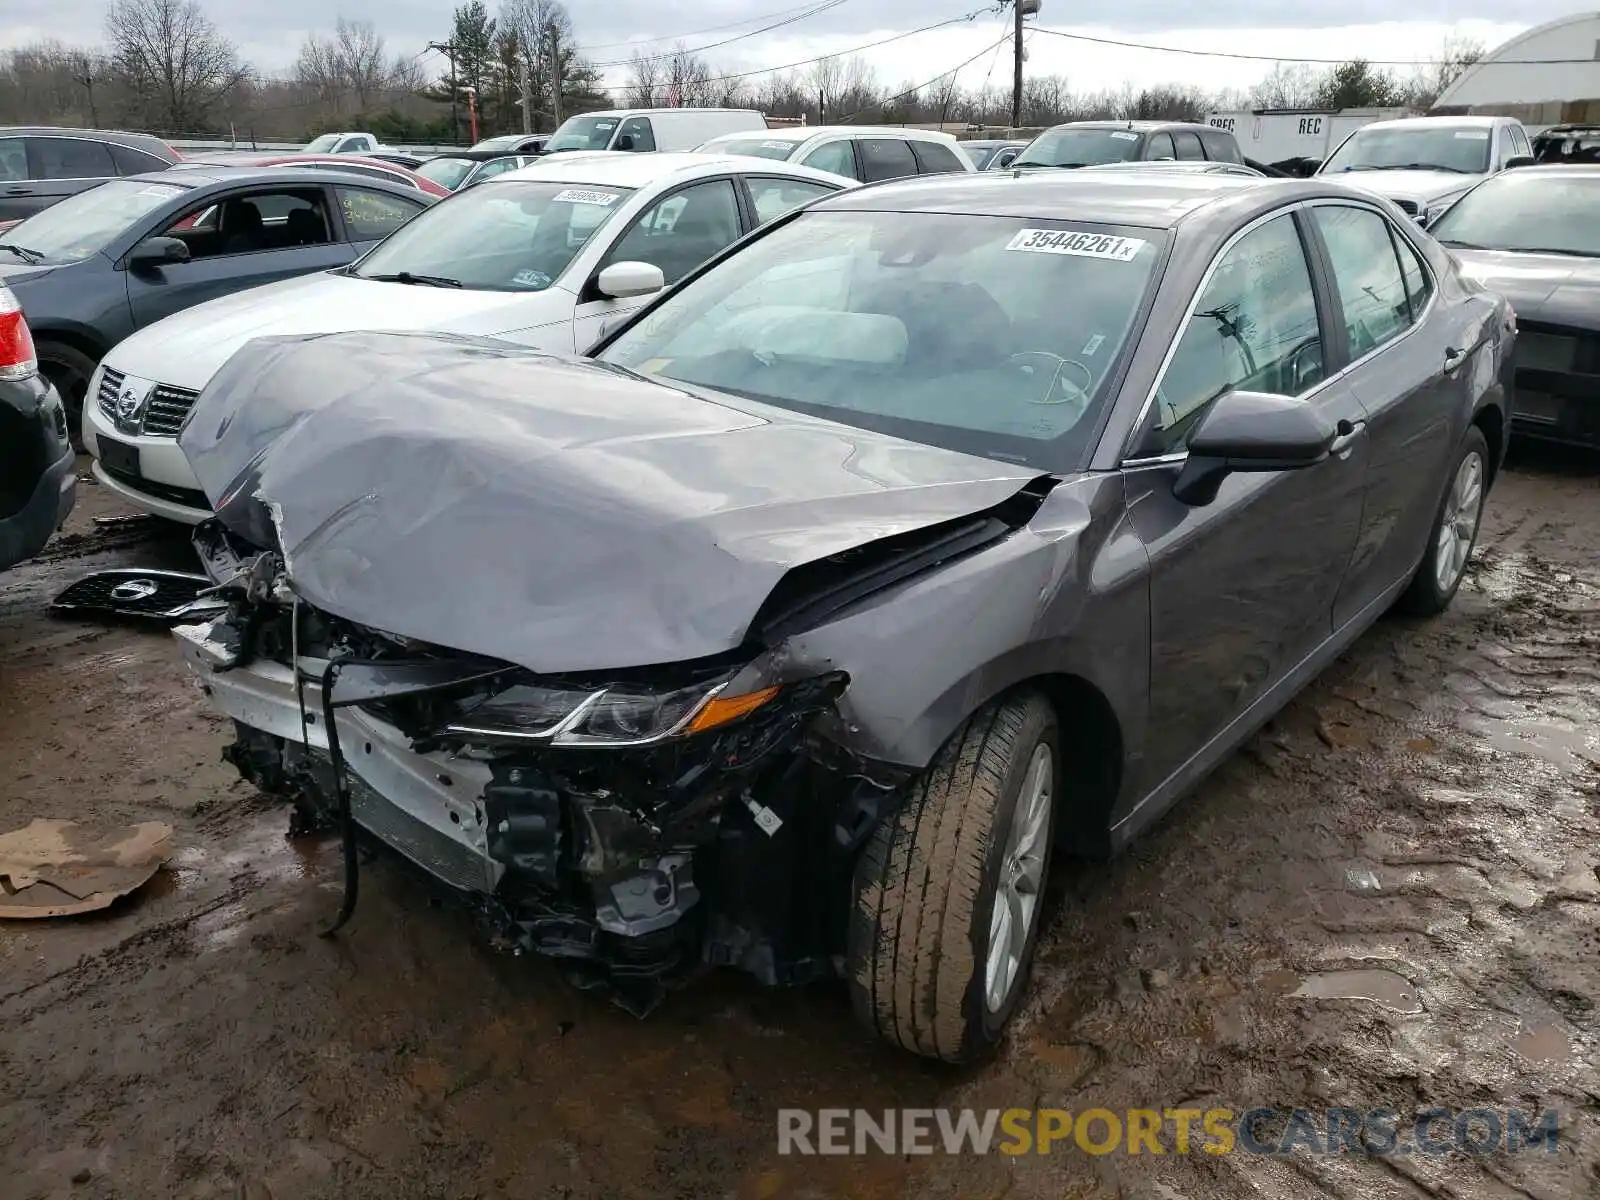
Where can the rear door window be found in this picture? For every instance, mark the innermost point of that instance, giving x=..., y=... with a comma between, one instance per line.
x=935, y=158
x=773, y=197
x=1160, y=147
x=1187, y=145
x=1366, y=271
x=129, y=161
x=886, y=158
x=13, y=160
x=68, y=158
x=837, y=157
x=370, y=215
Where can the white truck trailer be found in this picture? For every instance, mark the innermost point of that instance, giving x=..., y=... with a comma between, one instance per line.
x=1295, y=139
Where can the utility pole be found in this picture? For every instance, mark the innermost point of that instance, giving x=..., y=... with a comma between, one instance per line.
x=448, y=49
x=1016, y=68
x=555, y=76
x=527, y=97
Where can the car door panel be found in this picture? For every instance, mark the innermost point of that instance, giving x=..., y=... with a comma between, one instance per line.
x=1396, y=344
x=1242, y=589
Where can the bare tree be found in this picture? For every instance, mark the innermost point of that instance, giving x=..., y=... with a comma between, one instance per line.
x=544, y=31
x=1287, y=85
x=177, y=67
x=1455, y=56
x=353, y=63
x=643, y=89
x=686, y=78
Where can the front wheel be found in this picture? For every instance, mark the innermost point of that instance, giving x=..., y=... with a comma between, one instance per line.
x=1454, y=532
x=947, y=894
x=70, y=370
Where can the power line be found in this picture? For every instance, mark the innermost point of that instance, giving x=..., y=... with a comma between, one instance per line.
x=672, y=37
x=1291, y=58
x=802, y=16
x=806, y=62
x=912, y=91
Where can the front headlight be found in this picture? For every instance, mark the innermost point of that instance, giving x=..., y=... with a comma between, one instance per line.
x=620, y=716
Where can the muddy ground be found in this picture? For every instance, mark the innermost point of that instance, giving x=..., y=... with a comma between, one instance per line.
x=1414, y=843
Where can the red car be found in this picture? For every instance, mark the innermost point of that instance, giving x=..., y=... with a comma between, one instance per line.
x=352, y=163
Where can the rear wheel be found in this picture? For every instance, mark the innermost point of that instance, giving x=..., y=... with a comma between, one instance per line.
x=948, y=892
x=1454, y=532
x=69, y=369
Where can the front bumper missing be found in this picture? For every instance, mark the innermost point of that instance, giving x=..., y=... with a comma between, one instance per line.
x=423, y=805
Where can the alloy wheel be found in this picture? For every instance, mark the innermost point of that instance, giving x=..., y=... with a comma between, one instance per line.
x=1458, y=526
x=1021, y=879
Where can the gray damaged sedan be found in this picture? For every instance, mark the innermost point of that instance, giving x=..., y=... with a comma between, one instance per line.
x=933, y=530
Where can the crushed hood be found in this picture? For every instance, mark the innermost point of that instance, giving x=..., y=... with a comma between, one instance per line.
x=545, y=511
x=186, y=349
x=1556, y=289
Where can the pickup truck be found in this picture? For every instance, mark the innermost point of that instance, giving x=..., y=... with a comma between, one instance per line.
x=1426, y=164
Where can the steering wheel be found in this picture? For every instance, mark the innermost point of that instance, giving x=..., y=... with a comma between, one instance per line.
x=1071, y=393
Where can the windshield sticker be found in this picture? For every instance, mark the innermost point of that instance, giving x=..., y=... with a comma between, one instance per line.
x=160, y=189
x=776, y=145
x=1122, y=135
x=1473, y=135
x=531, y=279
x=584, y=196
x=1093, y=344
x=1070, y=241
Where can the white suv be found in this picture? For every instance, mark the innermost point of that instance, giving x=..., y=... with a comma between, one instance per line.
x=545, y=256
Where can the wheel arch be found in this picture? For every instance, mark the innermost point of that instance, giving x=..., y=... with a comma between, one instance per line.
x=1491, y=420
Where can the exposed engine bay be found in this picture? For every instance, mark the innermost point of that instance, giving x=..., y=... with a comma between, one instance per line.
x=638, y=825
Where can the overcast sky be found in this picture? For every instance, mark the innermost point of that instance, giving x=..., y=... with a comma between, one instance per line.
x=270, y=34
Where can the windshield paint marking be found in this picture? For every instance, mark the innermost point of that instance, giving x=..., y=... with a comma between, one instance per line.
x=1473, y=135
x=1076, y=242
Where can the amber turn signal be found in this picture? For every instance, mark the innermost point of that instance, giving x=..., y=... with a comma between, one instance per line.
x=729, y=708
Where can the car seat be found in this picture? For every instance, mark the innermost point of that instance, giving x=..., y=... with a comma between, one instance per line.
x=950, y=326
x=305, y=227
x=246, y=230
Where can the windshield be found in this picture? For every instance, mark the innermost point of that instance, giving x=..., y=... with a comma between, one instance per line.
x=980, y=153
x=1076, y=146
x=1517, y=211
x=447, y=172
x=1415, y=147
x=85, y=224
x=583, y=133
x=778, y=148
x=322, y=145
x=507, y=236
x=945, y=329
x=504, y=142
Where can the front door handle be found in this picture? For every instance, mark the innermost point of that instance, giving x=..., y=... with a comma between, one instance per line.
x=19, y=191
x=1348, y=432
x=1453, y=358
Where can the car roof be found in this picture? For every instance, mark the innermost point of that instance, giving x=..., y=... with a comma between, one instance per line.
x=1423, y=122
x=624, y=169
x=210, y=174
x=1552, y=170
x=641, y=112
x=802, y=133
x=476, y=155
x=1158, y=200
x=1131, y=126
x=137, y=141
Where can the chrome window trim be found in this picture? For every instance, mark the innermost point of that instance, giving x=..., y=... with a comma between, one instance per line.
x=1124, y=461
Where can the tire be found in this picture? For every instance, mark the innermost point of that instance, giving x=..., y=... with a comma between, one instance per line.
x=927, y=885
x=1428, y=595
x=70, y=369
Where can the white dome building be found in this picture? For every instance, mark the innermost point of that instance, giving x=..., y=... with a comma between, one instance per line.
x=1549, y=74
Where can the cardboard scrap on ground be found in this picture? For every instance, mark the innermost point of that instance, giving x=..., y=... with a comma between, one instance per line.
x=61, y=868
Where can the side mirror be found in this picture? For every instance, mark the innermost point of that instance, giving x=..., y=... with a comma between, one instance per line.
x=1251, y=431
x=1519, y=160
x=158, y=251
x=624, y=279
x=625, y=142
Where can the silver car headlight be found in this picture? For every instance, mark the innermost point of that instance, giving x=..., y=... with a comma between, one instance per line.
x=603, y=717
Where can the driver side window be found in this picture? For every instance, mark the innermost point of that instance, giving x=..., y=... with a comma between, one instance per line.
x=1254, y=328
x=681, y=231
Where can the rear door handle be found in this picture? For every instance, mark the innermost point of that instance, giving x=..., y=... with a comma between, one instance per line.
x=1349, y=431
x=1453, y=358
x=19, y=191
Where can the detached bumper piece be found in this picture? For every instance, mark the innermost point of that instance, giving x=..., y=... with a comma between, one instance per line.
x=637, y=864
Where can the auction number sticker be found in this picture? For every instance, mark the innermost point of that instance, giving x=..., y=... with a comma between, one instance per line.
x=1122, y=135
x=1071, y=241
x=160, y=189
x=583, y=196
x=1473, y=135
x=776, y=145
